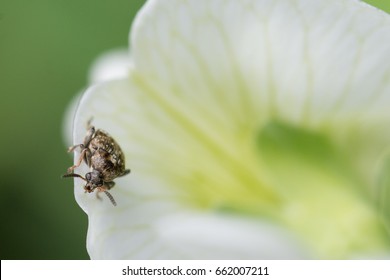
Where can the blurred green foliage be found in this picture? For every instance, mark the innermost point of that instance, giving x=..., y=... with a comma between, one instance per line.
x=46, y=49
x=381, y=4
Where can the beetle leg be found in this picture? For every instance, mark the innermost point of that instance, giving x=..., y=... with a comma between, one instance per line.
x=127, y=171
x=109, y=185
x=72, y=148
x=82, y=156
x=90, y=135
x=87, y=157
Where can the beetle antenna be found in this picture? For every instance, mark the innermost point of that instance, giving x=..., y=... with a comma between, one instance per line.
x=110, y=197
x=73, y=175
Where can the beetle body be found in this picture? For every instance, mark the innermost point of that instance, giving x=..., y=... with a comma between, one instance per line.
x=106, y=156
x=105, y=159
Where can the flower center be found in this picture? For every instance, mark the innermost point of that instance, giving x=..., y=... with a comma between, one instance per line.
x=300, y=179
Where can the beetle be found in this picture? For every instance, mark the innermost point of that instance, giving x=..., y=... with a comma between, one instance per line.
x=104, y=157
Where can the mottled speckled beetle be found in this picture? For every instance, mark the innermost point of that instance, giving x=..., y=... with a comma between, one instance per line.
x=105, y=159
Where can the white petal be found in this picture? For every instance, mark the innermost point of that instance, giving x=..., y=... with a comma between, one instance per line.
x=316, y=63
x=301, y=59
x=111, y=65
x=147, y=222
x=221, y=236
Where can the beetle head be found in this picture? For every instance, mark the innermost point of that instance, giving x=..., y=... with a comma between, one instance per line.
x=94, y=180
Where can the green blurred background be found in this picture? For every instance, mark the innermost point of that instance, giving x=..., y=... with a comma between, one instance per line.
x=46, y=49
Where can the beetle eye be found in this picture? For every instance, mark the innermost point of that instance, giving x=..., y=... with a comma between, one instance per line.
x=88, y=176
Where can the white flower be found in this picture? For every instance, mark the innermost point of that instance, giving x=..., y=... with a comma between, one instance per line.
x=253, y=129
